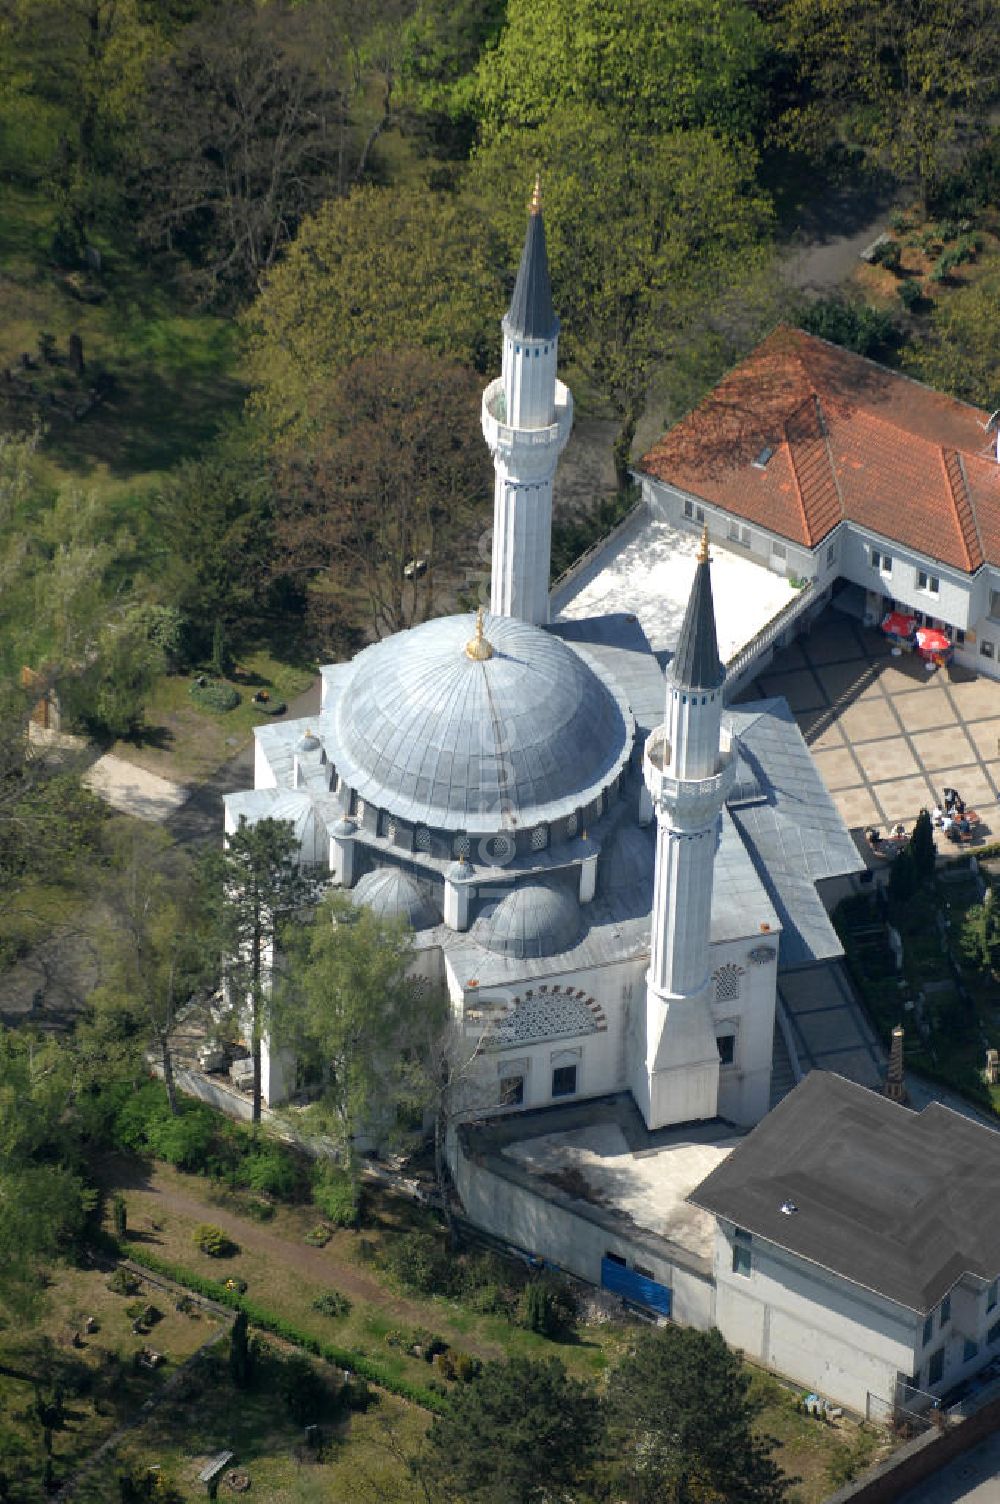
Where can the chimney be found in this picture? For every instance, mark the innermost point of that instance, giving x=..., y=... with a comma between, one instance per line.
x=894, y=1088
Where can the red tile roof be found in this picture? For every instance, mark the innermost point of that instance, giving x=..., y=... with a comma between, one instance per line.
x=851, y=440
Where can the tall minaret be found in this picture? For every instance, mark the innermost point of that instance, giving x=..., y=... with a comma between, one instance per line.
x=527, y=416
x=689, y=766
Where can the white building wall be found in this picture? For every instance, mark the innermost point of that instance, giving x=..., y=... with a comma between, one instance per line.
x=539, y=1225
x=745, y=1086
x=815, y=1328
x=599, y=1056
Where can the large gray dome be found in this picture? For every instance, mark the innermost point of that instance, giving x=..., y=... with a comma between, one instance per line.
x=392, y=894
x=533, y=920
x=527, y=735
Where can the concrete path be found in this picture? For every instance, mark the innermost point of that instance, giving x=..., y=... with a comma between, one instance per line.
x=134, y=790
x=831, y=236
x=973, y=1478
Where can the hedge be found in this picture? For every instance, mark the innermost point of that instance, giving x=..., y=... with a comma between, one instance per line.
x=267, y=1321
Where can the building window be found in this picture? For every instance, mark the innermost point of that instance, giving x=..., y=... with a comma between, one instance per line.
x=745, y=537
x=993, y=1335
x=935, y=1367
x=539, y=838
x=970, y=1350
x=779, y=550
x=646, y=1273
x=986, y=647
x=928, y=1328
x=694, y=513
x=882, y=562
x=727, y=1048
x=733, y=532
x=991, y=1294
x=616, y=1258
x=742, y=1253
x=959, y=636
x=831, y=553
x=995, y=605
x=689, y=509
x=727, y=983
x=511, y=1091
x=928, y=582
x=422, y=839
x=945, y=1312
x=564, y=1081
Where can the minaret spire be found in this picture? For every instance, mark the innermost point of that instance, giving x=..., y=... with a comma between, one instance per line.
x=527, y=416
x=689, y=766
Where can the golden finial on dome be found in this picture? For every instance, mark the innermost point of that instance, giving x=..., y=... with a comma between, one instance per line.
x=479, y=648
x=704, y=557
x=536, y=198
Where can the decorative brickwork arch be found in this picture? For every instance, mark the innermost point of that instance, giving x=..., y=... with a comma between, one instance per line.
x=556, y=1012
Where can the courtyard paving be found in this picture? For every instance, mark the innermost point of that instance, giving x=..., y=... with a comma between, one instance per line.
x=887, y=735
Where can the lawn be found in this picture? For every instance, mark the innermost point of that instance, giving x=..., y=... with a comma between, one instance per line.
x=175, y=374
x=185, y=742
x=285, y=1275
x=102, y=1389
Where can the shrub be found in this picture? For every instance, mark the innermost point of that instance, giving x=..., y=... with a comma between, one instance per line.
x=318, y=1236
x=332, y=1303
x=213, y=1241
x=271, y=1170
x=122, y=1282
x=185, y=1140
x=888, y=253
x=856, y=326
x=910, y=294
x=212, y=694
x=421, y=1263
x=467, y=1367
x=337, y=1195
x=548, y=1306
x=897, y=221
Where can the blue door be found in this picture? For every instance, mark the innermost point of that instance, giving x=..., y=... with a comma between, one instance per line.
x=637, y=1288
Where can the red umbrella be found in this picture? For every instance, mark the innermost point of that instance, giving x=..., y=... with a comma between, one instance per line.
x=930, y=640
x=898, y=625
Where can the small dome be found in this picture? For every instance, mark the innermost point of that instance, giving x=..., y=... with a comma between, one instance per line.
x=345, y=826
x=461, y=871
x=392, y=894
x=629, y=860
x=533, y=920
x=308, y=742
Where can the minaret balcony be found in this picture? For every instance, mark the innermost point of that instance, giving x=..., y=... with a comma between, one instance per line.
x=689, y=801
x=500, y=436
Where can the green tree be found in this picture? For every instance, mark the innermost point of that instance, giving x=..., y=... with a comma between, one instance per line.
x=156, y=948
x=261, y=886
x=646, y=237
x=442, y=42
x=857, y=326
x=383, y=269
x=73, y=75
x=960, y=353
x=213, y=515
x=356, y=1014
x=246, y=129
x=682, y=1418
x=898, y=80
x=659, y=64
x=42, y=1197
x=521, y=1432
x=903, y=880
x=394, y=471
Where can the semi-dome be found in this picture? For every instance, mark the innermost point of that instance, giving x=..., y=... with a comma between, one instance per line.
x=392, y=894
x=479, y=733
x=533, y=920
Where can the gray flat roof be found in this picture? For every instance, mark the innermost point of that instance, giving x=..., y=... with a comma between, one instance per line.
x=792, y=829
x=899, y=1202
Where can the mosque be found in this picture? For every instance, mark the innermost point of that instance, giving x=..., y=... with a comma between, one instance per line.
x=612, y=872
x=603, y=865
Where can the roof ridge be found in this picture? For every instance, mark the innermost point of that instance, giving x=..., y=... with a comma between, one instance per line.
x=968, y=522
x=806, y=530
